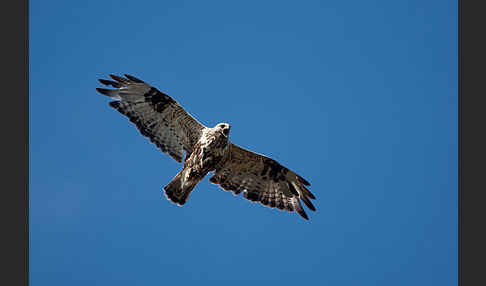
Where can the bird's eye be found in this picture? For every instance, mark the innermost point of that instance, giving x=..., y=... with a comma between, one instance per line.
x=226, y=131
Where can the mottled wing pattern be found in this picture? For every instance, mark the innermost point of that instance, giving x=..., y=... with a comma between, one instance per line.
x=264, y=180
x=156, y=115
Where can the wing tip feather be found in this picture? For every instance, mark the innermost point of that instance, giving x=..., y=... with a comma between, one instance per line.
x=109, y=83
x=299, y=209
x=118, y=78
x=108, y=92
x=303, y=181
x=115, y=104
x=134, y=79
x=308, y=193
x=308, y=203
x=302, y=213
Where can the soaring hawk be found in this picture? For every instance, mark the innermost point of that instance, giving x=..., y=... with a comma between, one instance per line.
x=174, y=131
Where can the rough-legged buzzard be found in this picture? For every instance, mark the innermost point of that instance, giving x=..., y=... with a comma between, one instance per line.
x=174, y=131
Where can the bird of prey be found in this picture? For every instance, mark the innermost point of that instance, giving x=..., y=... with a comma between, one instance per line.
x=174, y=131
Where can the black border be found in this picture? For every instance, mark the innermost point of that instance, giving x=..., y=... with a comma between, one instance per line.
x=472, y=143
x=15, y=140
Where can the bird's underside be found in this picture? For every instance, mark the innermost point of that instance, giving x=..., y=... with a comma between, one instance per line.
x=174, y=131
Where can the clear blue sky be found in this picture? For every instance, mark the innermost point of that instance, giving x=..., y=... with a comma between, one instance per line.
x=359, y=97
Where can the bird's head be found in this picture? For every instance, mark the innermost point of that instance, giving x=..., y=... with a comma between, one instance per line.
x=223, y=128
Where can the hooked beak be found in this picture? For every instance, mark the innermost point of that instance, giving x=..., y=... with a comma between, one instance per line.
x=226, y=132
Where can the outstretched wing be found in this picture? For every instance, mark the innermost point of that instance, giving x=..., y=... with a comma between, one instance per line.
x=263, y=180
x=156, y=115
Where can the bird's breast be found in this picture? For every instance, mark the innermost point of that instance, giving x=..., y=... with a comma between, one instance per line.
x=211, y=150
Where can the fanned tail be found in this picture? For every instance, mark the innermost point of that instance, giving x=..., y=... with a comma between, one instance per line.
x=178, y=190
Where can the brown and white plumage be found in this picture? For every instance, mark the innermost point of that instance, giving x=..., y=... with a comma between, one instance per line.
x=156, y=115
x=263, y=180
x=160, y=118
